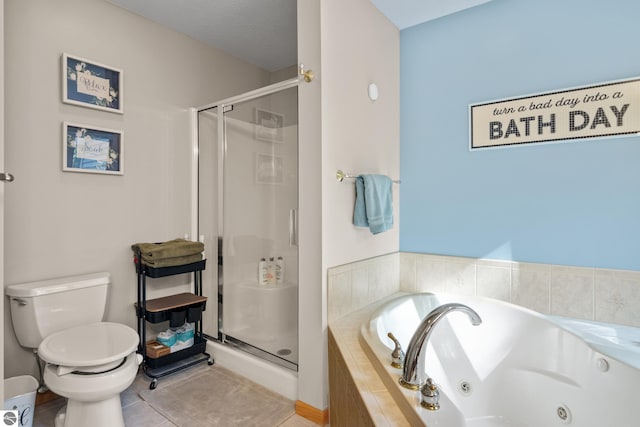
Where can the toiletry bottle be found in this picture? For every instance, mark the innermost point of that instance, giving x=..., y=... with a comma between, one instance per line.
x=263, y=278
x=271, y=271
x=279, y=271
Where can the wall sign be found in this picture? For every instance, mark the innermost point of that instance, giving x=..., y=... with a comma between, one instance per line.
x=606, y=109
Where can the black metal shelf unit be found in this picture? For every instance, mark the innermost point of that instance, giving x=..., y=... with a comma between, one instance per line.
x=186, y=305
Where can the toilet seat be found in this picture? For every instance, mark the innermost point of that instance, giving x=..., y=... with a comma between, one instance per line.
x=89, y=349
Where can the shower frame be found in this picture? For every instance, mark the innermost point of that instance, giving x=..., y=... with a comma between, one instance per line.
x=224, y=106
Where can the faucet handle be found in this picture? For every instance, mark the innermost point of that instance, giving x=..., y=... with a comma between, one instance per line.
x=397, y=355
x=430, y=396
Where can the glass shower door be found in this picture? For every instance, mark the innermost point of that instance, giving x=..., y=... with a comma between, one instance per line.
x=259, y=221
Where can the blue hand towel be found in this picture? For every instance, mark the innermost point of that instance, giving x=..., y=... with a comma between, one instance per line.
x=373, y=207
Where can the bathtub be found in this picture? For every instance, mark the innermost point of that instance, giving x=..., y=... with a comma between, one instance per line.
x=518, y=368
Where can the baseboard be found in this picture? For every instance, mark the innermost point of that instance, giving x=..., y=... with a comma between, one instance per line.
x=45, y=397
x=318, y=416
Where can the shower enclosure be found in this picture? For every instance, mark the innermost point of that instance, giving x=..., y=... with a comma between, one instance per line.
x=247, y=211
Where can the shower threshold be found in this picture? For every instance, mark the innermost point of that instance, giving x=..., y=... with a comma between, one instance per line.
x=265, y=355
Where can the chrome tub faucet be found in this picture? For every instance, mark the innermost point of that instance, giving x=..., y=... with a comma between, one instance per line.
x=413, y=372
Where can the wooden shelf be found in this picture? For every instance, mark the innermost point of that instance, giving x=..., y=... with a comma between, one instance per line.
x=173, y=302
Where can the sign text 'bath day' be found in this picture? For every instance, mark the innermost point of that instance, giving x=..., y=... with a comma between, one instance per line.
x=608, y=109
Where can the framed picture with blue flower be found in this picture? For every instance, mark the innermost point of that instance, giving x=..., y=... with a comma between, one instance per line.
x=92, y=149
x=90, y=84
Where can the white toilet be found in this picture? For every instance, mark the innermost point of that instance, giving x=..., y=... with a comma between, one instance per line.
x=88, y=361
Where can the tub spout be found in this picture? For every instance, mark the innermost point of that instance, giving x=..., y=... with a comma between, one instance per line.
x=413, y=372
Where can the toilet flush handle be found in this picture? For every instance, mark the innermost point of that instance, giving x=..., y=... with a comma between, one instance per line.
x=20, y=301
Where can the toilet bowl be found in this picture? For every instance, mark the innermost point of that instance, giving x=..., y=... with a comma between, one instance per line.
x=91, y=365
x=88, y=361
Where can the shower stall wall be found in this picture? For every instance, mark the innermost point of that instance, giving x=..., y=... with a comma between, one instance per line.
x=247, y=211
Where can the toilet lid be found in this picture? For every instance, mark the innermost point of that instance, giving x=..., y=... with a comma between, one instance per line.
x=89, y=345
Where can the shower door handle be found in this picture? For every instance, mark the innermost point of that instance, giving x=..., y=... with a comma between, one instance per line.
x=293, y=227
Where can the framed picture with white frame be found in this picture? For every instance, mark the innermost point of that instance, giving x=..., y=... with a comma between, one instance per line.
x=89, y=84
x=92, y=149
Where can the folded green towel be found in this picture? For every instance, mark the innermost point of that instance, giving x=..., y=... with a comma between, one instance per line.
x=171, y=249
x=172, y=262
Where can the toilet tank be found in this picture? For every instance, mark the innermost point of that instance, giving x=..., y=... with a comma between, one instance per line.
x=40, y=308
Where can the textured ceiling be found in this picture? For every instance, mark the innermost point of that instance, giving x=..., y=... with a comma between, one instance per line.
x=263, y=32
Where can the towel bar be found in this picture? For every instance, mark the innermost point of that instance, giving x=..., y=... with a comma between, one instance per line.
x=342, y=175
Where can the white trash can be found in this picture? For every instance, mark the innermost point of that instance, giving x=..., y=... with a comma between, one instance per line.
x=20, y=395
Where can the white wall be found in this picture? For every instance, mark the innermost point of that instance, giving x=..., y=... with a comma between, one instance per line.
x=348, y=45
x=60, y=223
x=359, y=46
x=312, y=374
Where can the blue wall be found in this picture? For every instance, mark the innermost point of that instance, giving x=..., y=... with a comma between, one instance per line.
x=574, y=203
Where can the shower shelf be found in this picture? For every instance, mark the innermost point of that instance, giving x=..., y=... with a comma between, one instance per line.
x=177, y=308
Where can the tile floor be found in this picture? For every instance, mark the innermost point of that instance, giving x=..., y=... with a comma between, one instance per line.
x=138, y=413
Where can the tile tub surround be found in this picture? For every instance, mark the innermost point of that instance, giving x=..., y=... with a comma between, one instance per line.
x=581, y=292
x=585, y=293
x=358, y=284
